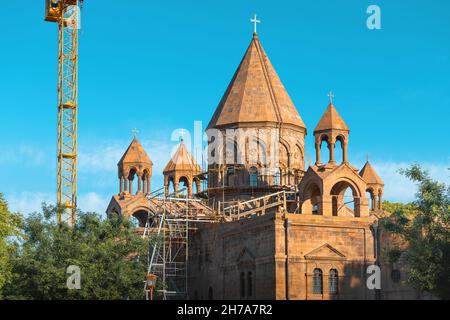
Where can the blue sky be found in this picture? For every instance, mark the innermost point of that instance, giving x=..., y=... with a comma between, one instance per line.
x=159, y=66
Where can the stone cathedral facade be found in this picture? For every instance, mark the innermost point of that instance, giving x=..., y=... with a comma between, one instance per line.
x=317, y=244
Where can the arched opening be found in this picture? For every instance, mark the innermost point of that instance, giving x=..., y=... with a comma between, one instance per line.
x=169, y=183
x=324, y=150
x=297, y=158
x=277, y=177
x=339, y=149
x=231, y=175
x=183, y=184
x=345, y=199
x=317, y=281
x=262, y=153
x=231, y=152
x=312, y=199
x=139, y=218
x=133, y=181
x=333, y=282
x=196, y=185
x=253, y=176
x=146, y=182
x=370, y=194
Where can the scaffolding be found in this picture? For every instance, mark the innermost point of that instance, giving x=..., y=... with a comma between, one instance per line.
x=169, y=224
x=175, y=217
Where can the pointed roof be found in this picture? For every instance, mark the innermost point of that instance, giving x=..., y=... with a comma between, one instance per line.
x=255, y=94
x=182, y=160
x=135, y=154
x=331, y=120
x=369, y=174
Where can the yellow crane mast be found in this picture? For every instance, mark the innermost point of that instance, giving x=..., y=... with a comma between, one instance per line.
x=67, y=14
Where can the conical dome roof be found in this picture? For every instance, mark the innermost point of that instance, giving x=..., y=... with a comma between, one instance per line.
x=255, y=94
x=182, y=161
x=135, y=154
x=369, y=174
x=331, y=120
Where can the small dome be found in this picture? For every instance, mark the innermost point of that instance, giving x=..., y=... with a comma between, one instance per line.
x=182, y=161
x=331, y=120
x=135, y=154
x=369, y=174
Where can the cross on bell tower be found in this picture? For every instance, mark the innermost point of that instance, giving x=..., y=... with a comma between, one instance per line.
x=255, y=22
x=331, y=96
x=135, y=132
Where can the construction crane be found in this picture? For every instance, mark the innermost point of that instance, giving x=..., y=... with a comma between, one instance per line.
x=67, y=14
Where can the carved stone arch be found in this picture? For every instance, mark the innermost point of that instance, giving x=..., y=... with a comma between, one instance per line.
x=232, y=152
x=141, y=215
x=324, y=137
x=351, y=183
x=307, y=186
x=298, y=156
x=311, y=197
x=284, y=154
x=339, y=203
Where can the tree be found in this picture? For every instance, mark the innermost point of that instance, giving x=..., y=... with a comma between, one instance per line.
x=110, y=255
x=424, y=225
x=9, y=228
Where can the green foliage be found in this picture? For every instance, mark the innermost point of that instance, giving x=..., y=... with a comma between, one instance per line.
x=111, y=257
x=424, y=224
x=9, y=229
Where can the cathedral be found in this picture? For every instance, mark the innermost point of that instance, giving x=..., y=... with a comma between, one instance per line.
x=286, y=230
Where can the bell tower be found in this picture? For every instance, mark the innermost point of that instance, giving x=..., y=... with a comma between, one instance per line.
x=134, y=165
x=182, y=168
x=331, y=129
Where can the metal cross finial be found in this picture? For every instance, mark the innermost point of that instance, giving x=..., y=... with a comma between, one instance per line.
x=367, y=157
x=331, y=96
x=135, y=132
x=255, y=22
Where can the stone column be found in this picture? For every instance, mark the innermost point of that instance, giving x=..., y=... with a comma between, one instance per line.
x=139, y=183
x=121, y=184
x=198, y=185
x=175, y=186
x=331, y=148
x=148, y=181
x=344, y=152
x=189, y=190
x=130, y=186
x=380, y=199
x=126, y=184
x=317, y=153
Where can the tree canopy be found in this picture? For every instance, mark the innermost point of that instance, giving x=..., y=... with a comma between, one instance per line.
x=9, y=229
x=424, y=225
x=110, y=255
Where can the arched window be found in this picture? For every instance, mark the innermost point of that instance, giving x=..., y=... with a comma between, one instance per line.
x=333, y=282
x=277, y=178
x=317, y=281
x=253, y=172
x=249, y=284
x=242, y=281
x=230, y=175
